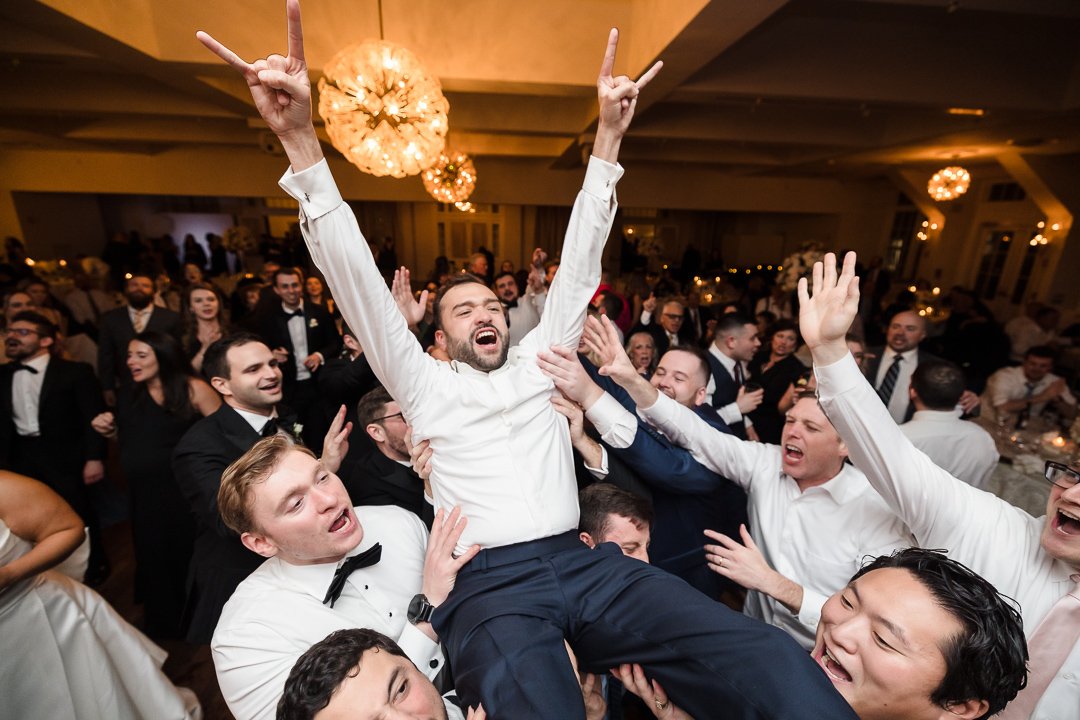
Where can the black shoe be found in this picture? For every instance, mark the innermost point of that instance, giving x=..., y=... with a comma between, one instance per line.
x=97, y=574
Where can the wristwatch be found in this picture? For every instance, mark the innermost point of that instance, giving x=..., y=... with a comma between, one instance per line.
x=420, y=609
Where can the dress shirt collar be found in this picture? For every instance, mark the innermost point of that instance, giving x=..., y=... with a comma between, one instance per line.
x=845, y=486
x=908, y=357
x=290, y=311
x=726, y=360
x=462, y=368
x=315, y=579
x=39, y=363
x=255, y=420
x=133, y=313
x=939, y=416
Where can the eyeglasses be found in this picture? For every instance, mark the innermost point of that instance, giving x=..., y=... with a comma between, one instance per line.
x=387, y=417
x=673, y=316
x=21, y=332
x=1061, y=475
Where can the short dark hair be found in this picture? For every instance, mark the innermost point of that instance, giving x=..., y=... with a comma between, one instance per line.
x=371, y=405
x=987, y=661
x=216, y=358
x=939, y=384
x=600, y=500
x=783, y=324
x=42, y=325
x=731, y=323
x=287, y=270
x=612, y=304
x=1041, y=351
x=501, y=275
x=701, y=355
x=451, y=283
x=319, y=671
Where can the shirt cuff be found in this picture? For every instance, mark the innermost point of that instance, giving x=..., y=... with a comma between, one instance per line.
x=810, y=611
x=609, y=418
x=425, y=653
x=646, y=317
x=838, y=378
x=730, y=413
x=600, y=178
x=601, y=472
x=314, y=188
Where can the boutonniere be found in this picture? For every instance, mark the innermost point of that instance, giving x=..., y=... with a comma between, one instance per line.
x=313, y=323
x=296, y=431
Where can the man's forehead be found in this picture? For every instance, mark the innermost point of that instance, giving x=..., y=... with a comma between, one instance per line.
x=470, y=292
x=808, y=409
x=249, y=352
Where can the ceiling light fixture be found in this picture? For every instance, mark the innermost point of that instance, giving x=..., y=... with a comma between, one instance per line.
x=949, y=183
x=451, y=179
x=383, y=111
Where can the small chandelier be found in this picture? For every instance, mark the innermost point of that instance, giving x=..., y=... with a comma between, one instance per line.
x=382, y=109
x=949, y=183
x=451, y=179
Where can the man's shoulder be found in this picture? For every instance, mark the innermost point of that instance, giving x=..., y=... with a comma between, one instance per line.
x=212, y=427
x=389, y=522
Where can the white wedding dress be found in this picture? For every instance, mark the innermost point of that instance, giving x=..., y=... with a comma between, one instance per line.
x=65, y=654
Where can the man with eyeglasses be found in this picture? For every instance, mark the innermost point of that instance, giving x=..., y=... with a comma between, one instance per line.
x=1034, y=560
x=46, y=405
x=381, y=473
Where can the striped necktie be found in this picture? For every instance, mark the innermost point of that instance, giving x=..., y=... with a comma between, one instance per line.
x=885, y=391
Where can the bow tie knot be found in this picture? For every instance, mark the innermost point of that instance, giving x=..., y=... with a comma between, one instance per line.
x=23, y=366
x=365, y=559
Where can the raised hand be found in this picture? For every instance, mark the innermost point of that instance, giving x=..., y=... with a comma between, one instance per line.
x=601, y=337
x=618, y=95
x=336, y=442
x=827, y=314
x=281, y=89
x=409, y=306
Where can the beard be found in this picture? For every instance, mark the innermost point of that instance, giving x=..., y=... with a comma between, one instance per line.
x=464, y=351
x=138, y=300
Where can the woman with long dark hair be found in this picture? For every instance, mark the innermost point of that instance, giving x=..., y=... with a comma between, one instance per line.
x=165, y=400
x=203, y=320
x=775, y=369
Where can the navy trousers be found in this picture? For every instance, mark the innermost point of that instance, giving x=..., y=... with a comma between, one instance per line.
x=511, y=607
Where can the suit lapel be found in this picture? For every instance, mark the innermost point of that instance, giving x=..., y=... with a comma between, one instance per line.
x=235, y=428
x=52, y=373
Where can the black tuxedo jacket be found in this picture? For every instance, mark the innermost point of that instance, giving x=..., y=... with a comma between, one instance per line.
x=726, y=392
x=322, y=335
x=220, y=562
x=116, y=332
x=70, y=398
x=377, y=480
x=871, y=371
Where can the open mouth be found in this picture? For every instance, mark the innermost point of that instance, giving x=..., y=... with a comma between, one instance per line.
x=342, y=522
x=1067, y=523
x=792, y=454
x=833, y=669
x=486, y=336
x=270, y=387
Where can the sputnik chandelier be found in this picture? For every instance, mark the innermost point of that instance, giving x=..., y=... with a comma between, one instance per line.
x=949, y=183
x=383, y=111
x=451, y=179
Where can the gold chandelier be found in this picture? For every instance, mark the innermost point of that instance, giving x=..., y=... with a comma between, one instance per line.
x=949, y=183
x=383, y=111
x=451, y=179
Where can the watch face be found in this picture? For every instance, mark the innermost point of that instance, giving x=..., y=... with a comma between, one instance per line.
x=419, y=609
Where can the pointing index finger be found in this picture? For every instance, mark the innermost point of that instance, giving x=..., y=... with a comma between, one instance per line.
x=609, y=54
x=296, y=32
x=649, y=74
x=223, y=52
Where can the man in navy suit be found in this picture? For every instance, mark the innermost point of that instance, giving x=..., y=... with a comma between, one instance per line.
x=734, y=344
x=46, y=405
x=302, y=337
x=688, y=497
x=119, y=326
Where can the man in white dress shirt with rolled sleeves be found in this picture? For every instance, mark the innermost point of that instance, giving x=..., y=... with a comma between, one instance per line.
x=1036, y=561
x=503, y=454
x=287, y=507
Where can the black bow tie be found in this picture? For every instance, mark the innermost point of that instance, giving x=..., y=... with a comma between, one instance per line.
x=23, y=366
x=365, y=559
x=510, y=304
x=294, y=313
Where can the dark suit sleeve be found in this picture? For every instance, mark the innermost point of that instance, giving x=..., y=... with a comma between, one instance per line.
x=89, y=402
x=663, y=466
x=620, y=475
x=346, y=379
x=107, y=351
x=198, y=462
x=327, y=340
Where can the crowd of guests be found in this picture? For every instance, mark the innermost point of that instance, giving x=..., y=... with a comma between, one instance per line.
x=749, y=509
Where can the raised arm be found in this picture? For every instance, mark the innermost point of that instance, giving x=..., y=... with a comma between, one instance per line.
x=594, y=210
x=281, y=90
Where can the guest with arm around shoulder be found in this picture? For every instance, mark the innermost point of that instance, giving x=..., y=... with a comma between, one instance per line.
x=68, y=654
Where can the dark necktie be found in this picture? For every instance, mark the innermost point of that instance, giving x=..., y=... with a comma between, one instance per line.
x=22, y=366
x=1025, y=413
x=889, y=383
x=740, y=379
x=365, y=559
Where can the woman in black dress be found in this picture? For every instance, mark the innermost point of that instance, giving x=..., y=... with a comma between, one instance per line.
x=775, y=370
x=164, y=402
x=203, y=321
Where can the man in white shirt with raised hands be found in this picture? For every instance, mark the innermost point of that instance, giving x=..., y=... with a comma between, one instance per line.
x=1034, y=560
x=502, y=453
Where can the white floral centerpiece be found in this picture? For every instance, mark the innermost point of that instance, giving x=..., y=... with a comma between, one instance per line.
x=799, y=264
